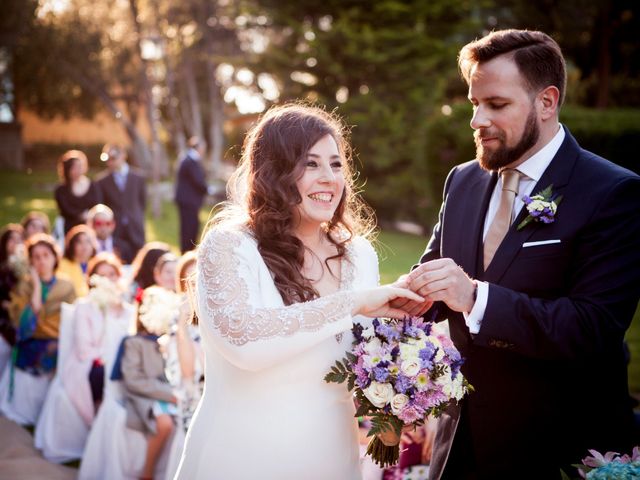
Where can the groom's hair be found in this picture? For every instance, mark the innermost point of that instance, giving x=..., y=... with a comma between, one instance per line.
x=537, y=56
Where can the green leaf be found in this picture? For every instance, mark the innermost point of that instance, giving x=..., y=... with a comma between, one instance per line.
x=524, y=223
x=564, y=476
x=546, y=193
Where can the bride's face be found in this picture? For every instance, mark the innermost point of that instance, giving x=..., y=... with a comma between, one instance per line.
x=321, y=185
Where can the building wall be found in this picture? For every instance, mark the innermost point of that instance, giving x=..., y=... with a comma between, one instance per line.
x=101, y=129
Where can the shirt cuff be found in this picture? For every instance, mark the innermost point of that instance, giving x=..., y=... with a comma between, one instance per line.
x=473, y=319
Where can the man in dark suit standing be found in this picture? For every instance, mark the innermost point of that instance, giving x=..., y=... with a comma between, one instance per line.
x=191, y=188
x=124, y=191
x=538, y=291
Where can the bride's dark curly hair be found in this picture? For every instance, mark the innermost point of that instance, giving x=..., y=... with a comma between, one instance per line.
x=263, y=193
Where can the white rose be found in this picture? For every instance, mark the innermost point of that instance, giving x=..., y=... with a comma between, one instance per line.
x=410, y=367
x=398, y=402
x=408, y=351
x=373, y=346
x=379, y=393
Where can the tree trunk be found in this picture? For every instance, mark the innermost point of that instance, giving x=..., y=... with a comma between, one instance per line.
x=159, y=165
x=216, y=104
x=175, y=122
x=192, y=96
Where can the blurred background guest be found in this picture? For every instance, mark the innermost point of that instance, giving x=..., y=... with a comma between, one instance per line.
x=35, y=222
x=191, y=188
x=124, y=191
x=36, y=311
x=164, y=271
x=11, y=247
x=95, y=316
x=76, y=194
x=80, y=246
x=143, y=265
x=100, y=218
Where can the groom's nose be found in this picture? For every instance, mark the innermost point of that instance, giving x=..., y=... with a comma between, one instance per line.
x=480, y=118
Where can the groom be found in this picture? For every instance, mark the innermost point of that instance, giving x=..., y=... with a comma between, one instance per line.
x=539, y=312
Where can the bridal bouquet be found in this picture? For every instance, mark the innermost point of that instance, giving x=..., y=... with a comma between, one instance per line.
x=402, y=371
x=104, y=292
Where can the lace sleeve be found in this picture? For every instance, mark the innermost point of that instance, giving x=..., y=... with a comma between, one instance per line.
x=225, y=276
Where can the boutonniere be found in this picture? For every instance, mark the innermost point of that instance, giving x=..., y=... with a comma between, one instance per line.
x=542, y=207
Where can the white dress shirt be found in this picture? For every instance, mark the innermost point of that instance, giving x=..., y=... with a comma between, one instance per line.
x=532, y=170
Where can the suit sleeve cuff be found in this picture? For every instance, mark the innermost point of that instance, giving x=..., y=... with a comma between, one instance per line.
x=473, y=319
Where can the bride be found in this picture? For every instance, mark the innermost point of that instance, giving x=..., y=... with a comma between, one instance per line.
x=282, y=273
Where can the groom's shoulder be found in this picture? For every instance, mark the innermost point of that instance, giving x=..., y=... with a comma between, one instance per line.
x=467, y=171
x=597, y=167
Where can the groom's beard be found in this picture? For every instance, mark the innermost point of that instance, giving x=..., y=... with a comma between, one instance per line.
x=503, y=155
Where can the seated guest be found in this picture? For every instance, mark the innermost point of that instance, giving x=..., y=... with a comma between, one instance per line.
x=80, y=246
x=96, y=314
x=188, y=352
x=35, y=222
x=143, y=265
x=11, y=262
x=37, y=314
x=150, y=402
x=164, y=271
x=76, y=194
x=100, y=218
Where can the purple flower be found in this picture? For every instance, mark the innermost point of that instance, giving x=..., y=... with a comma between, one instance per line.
x=362, y=376
x=380, y=374
x=403, y=383
x=387, y=332
x=426, y=356
x=526, y=199
x=357, y=332
x=456, y=360
x=410, y=414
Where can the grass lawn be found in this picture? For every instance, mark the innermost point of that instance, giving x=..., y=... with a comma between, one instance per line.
x=21, y=192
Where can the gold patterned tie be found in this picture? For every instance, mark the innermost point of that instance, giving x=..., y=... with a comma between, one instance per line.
x=502, y=221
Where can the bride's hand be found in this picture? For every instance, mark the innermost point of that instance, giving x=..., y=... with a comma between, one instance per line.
x=375, y=302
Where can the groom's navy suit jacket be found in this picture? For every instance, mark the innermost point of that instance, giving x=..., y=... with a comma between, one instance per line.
x=548, y=365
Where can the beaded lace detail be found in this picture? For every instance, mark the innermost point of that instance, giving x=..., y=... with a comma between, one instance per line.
x=226, y=300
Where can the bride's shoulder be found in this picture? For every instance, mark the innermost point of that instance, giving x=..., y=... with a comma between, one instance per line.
x=227, y=237
x=362, y=247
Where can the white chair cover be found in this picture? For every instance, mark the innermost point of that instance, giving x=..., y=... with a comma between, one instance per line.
x=29, y=392
x=5, y=354
x=61, y=441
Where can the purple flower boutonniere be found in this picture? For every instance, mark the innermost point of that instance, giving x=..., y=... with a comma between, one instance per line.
x=542, y=207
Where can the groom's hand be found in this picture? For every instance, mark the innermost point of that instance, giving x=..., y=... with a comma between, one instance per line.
x=443, y=280
x=413, y=308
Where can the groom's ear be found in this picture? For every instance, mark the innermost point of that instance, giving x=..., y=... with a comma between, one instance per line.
x=548, y=100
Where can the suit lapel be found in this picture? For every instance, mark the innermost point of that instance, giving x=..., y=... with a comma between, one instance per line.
x=557, y=174
x=470, y=222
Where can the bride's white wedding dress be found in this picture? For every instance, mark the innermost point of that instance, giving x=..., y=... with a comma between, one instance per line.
x=266, y=412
